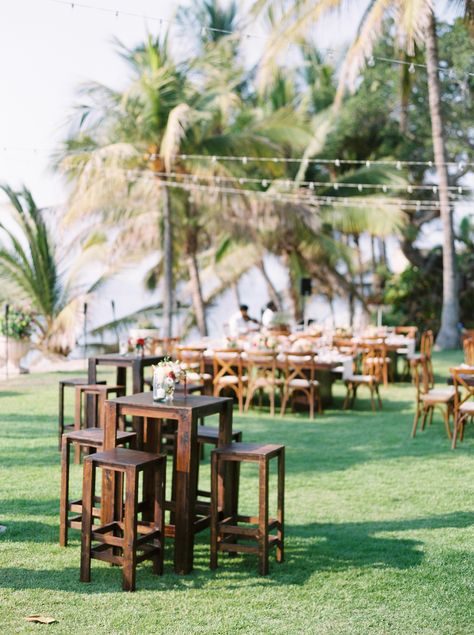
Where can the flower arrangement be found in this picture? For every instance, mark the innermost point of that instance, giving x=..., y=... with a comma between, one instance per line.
x=20, y=324
x=166, y=375
x=140, y=346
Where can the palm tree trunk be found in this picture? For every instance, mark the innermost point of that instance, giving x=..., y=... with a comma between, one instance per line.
x=272, y=292
x=168, y=266
x=448, y=336
x=196, y=292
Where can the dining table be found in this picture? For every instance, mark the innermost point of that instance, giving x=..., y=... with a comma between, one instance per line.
x=186, y=410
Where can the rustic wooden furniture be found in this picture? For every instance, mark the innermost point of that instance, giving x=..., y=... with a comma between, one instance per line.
x=90, y=439
x=426, y=349
x=192, y=360
x=95, y=395
x=126, y=541
x=70, y=382
x=299, y=372
x=463, y=400
x=468, y=346
x=408, y=331
x=262, y=375
x=137, y=363
x=429, y=398
x=228, y=373
x=186, y=410
x=375, y=360
x=225, y=528
x=354, y=381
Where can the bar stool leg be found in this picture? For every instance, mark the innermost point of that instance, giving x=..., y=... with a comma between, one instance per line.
x=214, y=509
x=263, y=517
x=64, y=498
x=130, y=531
x=88, y=489
x=281, y=506
x=61, y=415
x=159, y=514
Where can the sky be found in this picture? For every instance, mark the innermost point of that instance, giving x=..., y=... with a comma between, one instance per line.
x=47, y=49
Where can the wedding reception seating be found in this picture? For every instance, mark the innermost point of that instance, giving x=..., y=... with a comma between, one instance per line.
x=262, y=375
x=428, y=398
x=225, y=529
x=426, y=348
x=375, y=360
x=192, y=360
x=299, y=371
x=369, y=380
x=468, y=347
x=126, y=540
x=463, y=400
x=228, y=373
x=91, y=440
x=66, y=382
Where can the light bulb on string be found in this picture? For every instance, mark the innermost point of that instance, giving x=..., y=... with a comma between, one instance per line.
x=367, y=164
x=244, y=160
x=337, y=163
x=399, y=165
x=384, y=188
x=435, y=190
x=409, y=189
x=459, y=190
x=411, y=68
x=311, y=186
x=371, y=61
x=264, y=183
x=336, y=186
x=360, y=188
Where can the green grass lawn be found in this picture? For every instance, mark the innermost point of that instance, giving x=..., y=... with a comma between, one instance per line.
x=379, y=531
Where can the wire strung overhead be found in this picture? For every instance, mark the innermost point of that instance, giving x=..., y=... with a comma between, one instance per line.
x=334, y=185
x=308, y=199
x=330, y=52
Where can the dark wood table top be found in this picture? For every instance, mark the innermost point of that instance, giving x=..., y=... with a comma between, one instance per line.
x=128, y=358
x=180, y=402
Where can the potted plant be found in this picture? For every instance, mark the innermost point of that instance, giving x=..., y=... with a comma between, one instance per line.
x=18, y=327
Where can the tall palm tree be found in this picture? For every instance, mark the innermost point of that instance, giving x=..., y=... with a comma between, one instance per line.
x=38, y=269
x=415, y=23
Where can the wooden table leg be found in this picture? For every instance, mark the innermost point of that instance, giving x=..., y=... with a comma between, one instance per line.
x=90, y=405
x=61, y=413
x=186, y=467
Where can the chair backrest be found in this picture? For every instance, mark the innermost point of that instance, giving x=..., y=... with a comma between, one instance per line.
x=191, y=358
x=421, y=378
x=373, y=357
x=299, y=365
x=261, y=362
x=468, y=346
x=426, y=345
x=227, y=362
x=409, y=331
x=463, y=380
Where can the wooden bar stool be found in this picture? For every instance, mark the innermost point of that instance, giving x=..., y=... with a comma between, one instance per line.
x=94, y=395
x=224, y=531
x=71, y=382
x=127, y=535
x=91, y=439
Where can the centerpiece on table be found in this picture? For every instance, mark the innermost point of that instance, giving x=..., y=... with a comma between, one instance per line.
x=166, y=375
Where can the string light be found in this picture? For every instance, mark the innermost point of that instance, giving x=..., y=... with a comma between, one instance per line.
x=311, y=184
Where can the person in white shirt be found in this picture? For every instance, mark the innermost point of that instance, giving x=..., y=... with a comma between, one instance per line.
x=269, y=314
x=241, y=322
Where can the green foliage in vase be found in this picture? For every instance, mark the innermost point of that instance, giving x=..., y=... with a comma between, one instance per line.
x=19, y=325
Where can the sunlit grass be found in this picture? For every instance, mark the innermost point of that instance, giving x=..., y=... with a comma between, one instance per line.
x=379, y=531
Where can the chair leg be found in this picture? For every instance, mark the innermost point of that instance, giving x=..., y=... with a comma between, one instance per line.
x=280, y=551
x=345, y=405
x=248, y=401
x=214, y=510
x=372, y=401
x=426, y=410
x=64, y=498
x=446, y=423
x=272, y=400
x=284, y=401
x=130, y=531
x=378, y=396
x=415, y=420
x=455, y=432
x=159, y=514
x=87, y=498
x=61, y=415
x=263, y=517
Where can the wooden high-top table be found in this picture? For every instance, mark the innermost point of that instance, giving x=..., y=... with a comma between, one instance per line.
x=186, y=410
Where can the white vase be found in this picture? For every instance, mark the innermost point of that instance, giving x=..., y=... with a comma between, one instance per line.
x=17, y=349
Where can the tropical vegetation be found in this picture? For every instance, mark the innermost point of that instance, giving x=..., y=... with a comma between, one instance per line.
x=146, y=163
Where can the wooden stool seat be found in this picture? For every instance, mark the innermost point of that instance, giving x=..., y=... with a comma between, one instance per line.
x=125, y=541
x=90, y=439
x=226, y=531
x=209, y=435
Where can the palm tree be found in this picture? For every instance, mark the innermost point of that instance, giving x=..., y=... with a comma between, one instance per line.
x=416, y=24
x=39, y=270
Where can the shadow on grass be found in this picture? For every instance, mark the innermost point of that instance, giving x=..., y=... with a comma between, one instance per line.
x=312, y=548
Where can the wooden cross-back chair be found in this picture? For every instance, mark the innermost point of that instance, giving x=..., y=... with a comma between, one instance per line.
x=375, y=360
x=468, y=346
x=369, y=378
x=262, y=375
x=192, y=360
x=300, y=369
x=408, y=331
x=426, y=349
x=463, y=379
x=229, y=373
x=429, y=398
